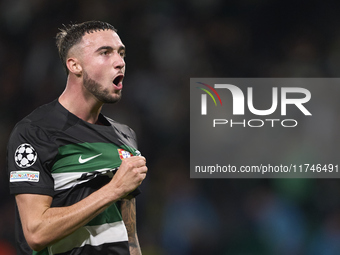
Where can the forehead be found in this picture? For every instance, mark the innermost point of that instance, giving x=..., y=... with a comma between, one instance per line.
x=94, y=40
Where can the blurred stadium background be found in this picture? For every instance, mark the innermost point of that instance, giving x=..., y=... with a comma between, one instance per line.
x=167, y=43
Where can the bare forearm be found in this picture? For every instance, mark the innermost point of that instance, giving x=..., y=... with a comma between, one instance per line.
x=129, y=218
x=63, y=220
x=134, y=246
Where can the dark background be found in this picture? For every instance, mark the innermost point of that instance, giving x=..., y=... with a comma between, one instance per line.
x=167, y=43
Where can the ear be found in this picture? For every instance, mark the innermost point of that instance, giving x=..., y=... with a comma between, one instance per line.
x=74, y=66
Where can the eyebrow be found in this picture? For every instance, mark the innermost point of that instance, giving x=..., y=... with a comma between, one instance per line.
x=110, y=48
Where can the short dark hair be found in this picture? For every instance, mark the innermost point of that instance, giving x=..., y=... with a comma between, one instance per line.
x=73, y=33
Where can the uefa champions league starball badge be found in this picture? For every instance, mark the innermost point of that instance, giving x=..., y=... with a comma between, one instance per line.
x=25, y=155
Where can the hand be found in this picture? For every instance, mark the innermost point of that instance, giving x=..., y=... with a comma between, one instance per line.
x=129, y=175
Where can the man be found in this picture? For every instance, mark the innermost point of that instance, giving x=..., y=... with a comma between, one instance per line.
x=75, y=172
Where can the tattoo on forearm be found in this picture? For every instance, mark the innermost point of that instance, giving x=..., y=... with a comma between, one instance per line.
x=129, y=215
x=128, y=208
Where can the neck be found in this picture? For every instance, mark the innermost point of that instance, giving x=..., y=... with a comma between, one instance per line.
x=75, y=100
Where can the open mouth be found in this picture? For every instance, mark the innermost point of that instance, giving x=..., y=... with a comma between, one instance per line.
x=118, y=79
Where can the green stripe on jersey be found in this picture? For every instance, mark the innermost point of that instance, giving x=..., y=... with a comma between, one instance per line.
x=88, y=157
x=110, y=215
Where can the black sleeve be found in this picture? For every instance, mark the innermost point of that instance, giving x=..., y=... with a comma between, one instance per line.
x=136, y=192
x=29, y=152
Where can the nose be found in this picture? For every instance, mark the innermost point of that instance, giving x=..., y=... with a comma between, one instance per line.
x=119, y=61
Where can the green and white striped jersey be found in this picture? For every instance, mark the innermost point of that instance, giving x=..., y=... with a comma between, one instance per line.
x=52, y=152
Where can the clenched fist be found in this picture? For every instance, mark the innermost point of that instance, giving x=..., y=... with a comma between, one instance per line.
x=129, y=175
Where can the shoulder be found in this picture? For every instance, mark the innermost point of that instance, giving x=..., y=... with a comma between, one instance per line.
x=124, y=133
x=39, y=116
x=38, y=125
x=30, y=147
x=122, y=128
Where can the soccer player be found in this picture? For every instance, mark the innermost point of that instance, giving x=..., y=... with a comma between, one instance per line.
x=74, y=172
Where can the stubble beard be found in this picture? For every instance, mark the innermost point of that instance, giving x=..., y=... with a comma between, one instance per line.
x=97, y=90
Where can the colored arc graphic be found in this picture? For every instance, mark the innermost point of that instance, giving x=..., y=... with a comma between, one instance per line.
x=208, y=94
x=208, y=86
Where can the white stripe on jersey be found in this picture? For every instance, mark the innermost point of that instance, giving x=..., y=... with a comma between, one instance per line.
x=71, y=179
x=91, y=235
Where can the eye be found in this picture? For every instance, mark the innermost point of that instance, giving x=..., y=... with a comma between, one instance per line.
x=106, y=52
x=122, y=54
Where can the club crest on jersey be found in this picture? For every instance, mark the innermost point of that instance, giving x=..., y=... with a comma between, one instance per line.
x=25, y=155
x=123, y=154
